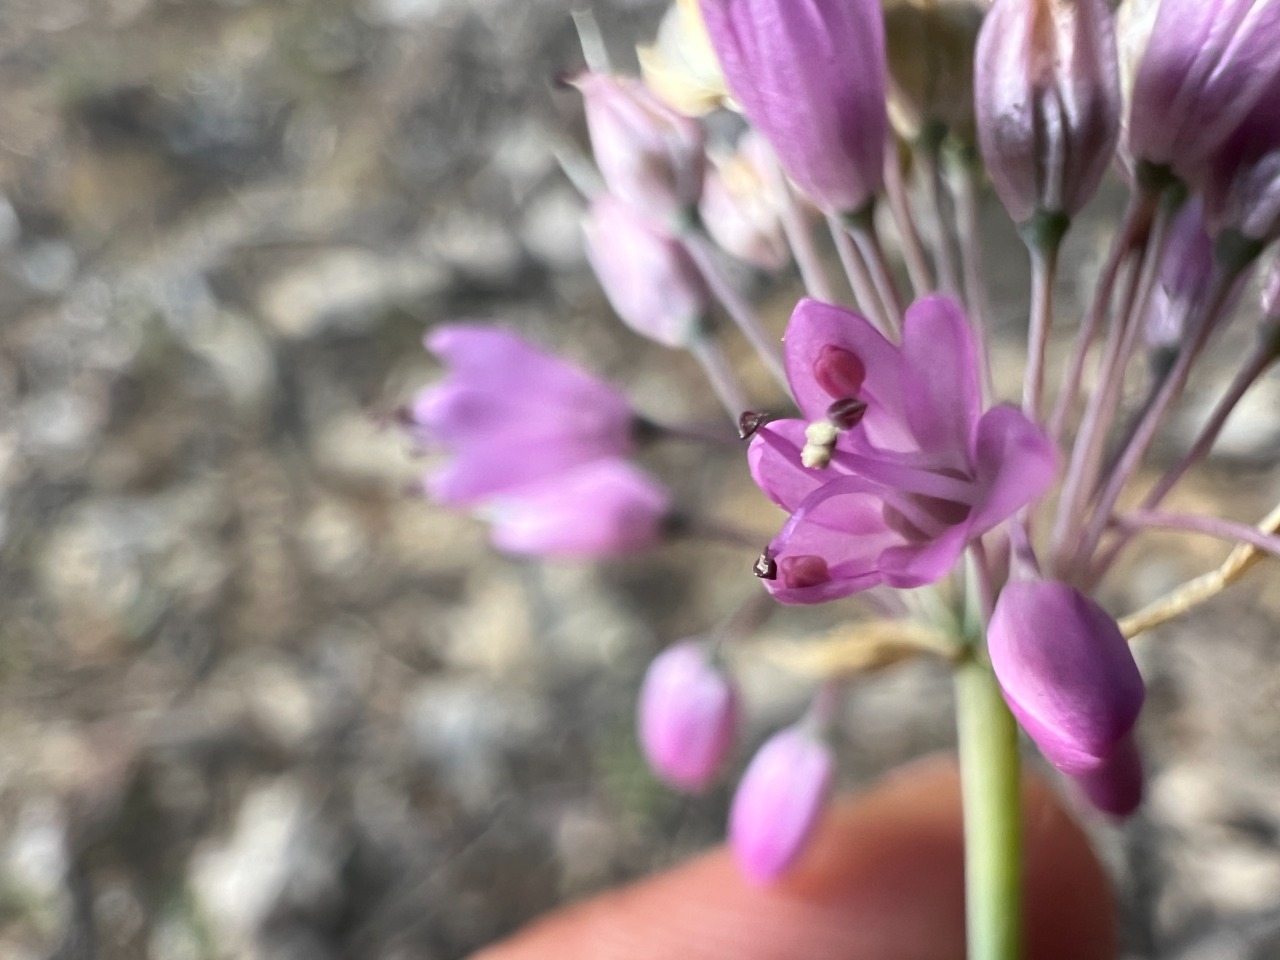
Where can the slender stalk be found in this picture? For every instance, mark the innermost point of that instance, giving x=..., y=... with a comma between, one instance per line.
x=913, y=254
x=1228, y=530
x=975, y=283
x=989, y=783
x=720, y=375
x=862, y=227
x=767, y=346
x=859, y=277
x=813, y=273
x=929, y=157
x=1043, y=236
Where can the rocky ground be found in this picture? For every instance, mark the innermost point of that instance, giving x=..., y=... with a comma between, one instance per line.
x=257, y=702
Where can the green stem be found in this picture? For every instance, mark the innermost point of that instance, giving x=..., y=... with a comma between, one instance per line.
x=989, y=779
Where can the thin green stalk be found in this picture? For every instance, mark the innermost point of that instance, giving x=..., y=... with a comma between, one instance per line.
x=990, y=788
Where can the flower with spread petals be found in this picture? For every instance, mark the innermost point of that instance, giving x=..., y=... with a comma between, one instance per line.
x=688, y=715
x=779, y=801
x=650, y=156
x=1069, y=677
x=896, y=466
x=509, y=414
x=648, y=276
x=601, y=509
x=1047, y=93
x=810, y=76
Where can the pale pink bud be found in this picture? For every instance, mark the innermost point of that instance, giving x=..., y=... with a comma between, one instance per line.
x=688, y=717
x=1047, y=95
x=739, y=206
x=649, y=278
x=650, y=156
x=779, y=802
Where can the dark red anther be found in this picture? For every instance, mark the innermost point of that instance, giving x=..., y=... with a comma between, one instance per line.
x=766, y=568
x=805, y=570
x=750, y=422
x=838, y=371
x=847, y=413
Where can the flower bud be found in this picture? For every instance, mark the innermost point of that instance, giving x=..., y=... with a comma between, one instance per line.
x=1241, y=179
x=651, y=157
x=811, y=78
x=1066, y=672
x=1184, y=276
x=740, y=209
x=779, y=801
x=688, y=717
x=601, y=509
x=1207, y=64
x=1047, y=96
x=649, y=278
x=1116, y=786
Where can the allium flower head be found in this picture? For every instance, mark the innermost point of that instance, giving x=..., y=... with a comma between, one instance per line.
x=1047, y=93
x=650, y=280
x=688, y=715
x=1066, y=671
x=651, y=157
x=810, y=76
x=912, y=477
x=509, y=414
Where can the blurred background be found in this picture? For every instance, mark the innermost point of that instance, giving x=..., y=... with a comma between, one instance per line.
x=256, y=700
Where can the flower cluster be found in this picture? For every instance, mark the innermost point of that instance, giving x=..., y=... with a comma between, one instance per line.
x=982, y=528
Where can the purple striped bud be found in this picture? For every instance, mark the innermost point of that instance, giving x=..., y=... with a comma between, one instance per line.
x=688, y=717
x=1066, y=672
x=651, y=157
x=1047, y=94
x=1207, y=64
x=811, y=77
x=649, y=278
x=779, y=801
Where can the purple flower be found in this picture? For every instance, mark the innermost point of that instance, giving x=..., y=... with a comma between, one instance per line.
x=1207, y=65
x=779, y=802
x=810, y=76
x=1184, y=277
x=915, y=468
x=649, y=278
x=1241, y=179
x=510, y=414
x=651, y=157
x=1047, y=94
x=688, y=717
x=601, y=509
x=1067, y=675
x=1116, y=786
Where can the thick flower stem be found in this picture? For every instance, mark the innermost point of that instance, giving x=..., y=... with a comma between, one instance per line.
x=989, y=779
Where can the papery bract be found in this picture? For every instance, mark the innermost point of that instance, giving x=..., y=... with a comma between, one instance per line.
x=599, y=509
x=510, y=414
x=779, y=801
x=651, y=157
x=688, y=716
x=649, y=278
x=810, y=76
x=1066, y=671
x=924, y=470
x=1047, y=93
x=1207, y=64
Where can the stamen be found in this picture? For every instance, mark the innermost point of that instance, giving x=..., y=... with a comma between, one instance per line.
x=839, y=372
x=847, y=413
x=820, y=443
x=766, y=568
x=750, y=422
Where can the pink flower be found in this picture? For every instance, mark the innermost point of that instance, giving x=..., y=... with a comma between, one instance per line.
x=779, y=802
x=688, y=717
x=510, y=415
x=915, y=468
x=1067, y=675
x=600, y=509
x=811, y=77
x=1116, y=786
x=649, y=278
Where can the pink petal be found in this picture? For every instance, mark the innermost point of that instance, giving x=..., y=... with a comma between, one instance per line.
x=1016, y=464
x=940, y=377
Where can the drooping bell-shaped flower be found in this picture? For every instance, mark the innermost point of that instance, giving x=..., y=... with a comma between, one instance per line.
x=1207, y=64
x=1047, y=94
x=509, y=414
x=649, y=278
x=810, y=76
x=779, y=801
x=601, y=509
x=651, y=157
x=740, y=209
x=1066, y=672
x=688, y=716
x=896, y=466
